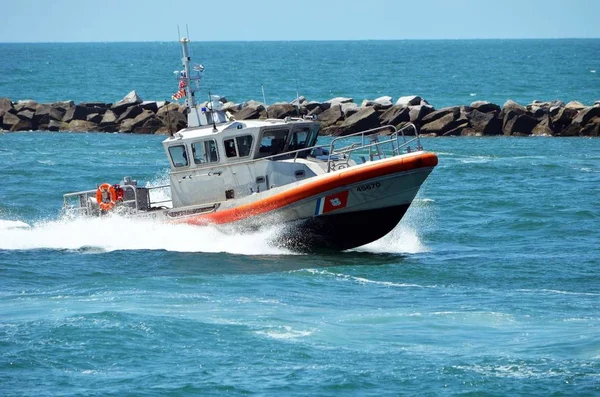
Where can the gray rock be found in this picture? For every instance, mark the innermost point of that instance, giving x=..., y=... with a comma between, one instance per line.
x=63, y=105
x=26, y=114
x=484, y=123
x=417, y=113
x=485, y=107
x=53, y=125
x=513, y=106
x=519, y=124
x=150, y=105
x=252, y=110
x=331, y=116
x=80, y=126
x=108, y=118
x=395, y=115
x=26, y=105
x=575, y=105
x=338, y=100
x=592, y=128
x=298, y=101
x=437, y=114
x=136, y=124
x=586, y=115
x=6, y=105
x=77, y=113
x=129, y=113
x=9, y=120
x=364, y=119
x=543, y=128
x=349, y=108
x=281, y=111
x=95, y=118
x=130, y=99
x=411, y=100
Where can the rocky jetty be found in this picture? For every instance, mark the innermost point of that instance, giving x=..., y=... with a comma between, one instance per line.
x=338, y=116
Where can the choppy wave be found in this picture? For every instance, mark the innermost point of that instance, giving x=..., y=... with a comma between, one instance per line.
x=120, y=233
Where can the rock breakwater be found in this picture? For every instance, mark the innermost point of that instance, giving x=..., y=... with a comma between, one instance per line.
x=338, y=116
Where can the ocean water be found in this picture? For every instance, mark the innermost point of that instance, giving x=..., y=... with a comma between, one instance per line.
x=445, y=72
x=490, y=286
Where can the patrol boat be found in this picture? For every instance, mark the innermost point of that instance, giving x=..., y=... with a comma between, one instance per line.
x=248, y=174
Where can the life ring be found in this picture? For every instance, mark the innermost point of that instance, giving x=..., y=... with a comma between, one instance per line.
x=106, y=196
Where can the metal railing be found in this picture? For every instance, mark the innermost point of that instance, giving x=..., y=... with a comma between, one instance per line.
x=89, y=207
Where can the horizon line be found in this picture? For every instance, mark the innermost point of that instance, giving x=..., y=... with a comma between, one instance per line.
x=300, y=40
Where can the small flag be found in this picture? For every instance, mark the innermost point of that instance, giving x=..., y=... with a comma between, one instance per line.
x=182, y=84
x=179, y=94
x=332, y=202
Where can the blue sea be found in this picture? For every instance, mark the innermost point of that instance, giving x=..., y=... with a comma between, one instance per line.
x=490, y=286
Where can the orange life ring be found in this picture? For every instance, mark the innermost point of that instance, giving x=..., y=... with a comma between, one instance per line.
x=106, y=196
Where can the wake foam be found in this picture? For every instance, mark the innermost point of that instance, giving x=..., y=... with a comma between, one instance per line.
x=114, y=232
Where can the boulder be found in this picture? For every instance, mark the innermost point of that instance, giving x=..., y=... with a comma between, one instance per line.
x=53, y=125
x=449, y=124
x=411, y=100
x=331, y=116
x=56, y=113
x=383, y=103
x=129, y=100
x=281, y=111
x=252, y=110
x=41, y=118
x=592, y=128
x=21, y=124
x=151, y=126
x=458, y=127
x=364, y=119
x=575, y=105
x=437, y=114
x=543, y=128
x=95, y=118
x=573, y=129
x=26, y=105
x=519, y=124
x=77, y=112
x=26, y=114
x=338, y=100
x=395, y=115
x=512, y=106
x=417, y=113
x=587, y=114
x=136, y=124
x=231, y=107
x=9, y=120
x=562, y=118
x=349, y=108
x=298, y=101
x=150, y=105
x=484, y=123
x=108, y=118
x=79, y=126
x=64, y=105
x=6, y=105
x=485, y=107
x=129, y=113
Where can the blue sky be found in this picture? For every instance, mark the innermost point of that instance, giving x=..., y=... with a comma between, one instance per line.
x=225, y=20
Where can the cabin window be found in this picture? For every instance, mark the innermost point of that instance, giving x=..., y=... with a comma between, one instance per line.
x=272, y=142
x=244, y=144
x=230, y=150
x=178, y=156
x=238, y=146
x=205, y=152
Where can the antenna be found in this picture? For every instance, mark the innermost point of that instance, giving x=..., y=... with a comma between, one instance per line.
x=187, y=31
x=212, y=116
x=297, y=94
x=262, y=87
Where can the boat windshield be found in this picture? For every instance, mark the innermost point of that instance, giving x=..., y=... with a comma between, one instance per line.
x=272, y=142
x=178, y=155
